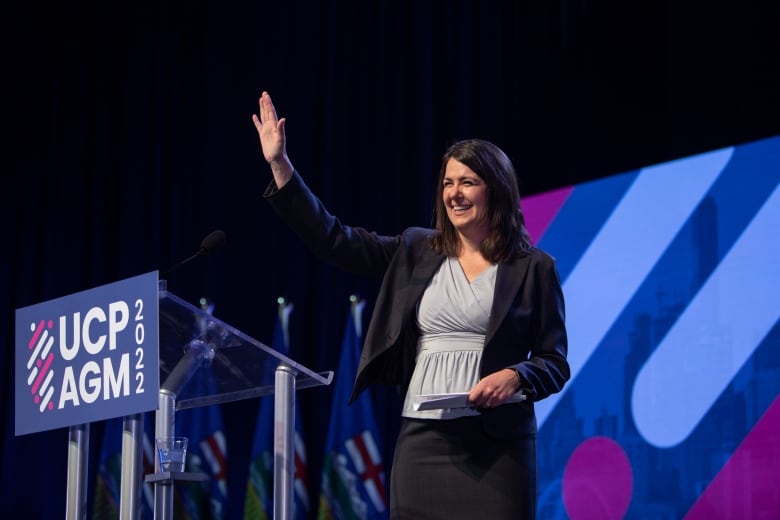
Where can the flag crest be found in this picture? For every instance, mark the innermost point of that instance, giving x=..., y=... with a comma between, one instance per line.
x=259, y=493
x=353, y=476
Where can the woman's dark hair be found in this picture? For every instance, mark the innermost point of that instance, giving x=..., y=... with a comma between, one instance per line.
x=507, y=236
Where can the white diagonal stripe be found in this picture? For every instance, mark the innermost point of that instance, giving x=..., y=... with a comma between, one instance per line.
x=624, y=251
x=32, y=376
x=36, y=353
x=45, y=398
x=724, y=324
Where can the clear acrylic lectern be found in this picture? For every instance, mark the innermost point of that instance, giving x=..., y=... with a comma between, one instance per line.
x=204, y=361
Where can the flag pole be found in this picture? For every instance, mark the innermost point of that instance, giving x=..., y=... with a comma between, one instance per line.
x=356, y=305
x=284, y=430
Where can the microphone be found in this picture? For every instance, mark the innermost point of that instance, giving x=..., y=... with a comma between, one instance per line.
x=213, y=241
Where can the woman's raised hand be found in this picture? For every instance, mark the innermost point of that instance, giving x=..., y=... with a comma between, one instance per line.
x=270, y=130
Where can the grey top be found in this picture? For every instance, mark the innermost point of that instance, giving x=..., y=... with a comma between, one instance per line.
x=452, y=317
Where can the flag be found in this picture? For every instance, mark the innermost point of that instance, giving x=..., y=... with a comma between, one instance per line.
x=353, y=476
x=107, y=480
x=109, y=473
x=260, y=492
x=206, y=452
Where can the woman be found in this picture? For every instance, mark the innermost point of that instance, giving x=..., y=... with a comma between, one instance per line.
x=468, y=307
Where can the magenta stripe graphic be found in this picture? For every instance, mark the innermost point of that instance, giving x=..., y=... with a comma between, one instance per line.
x=746, y=486
x=540, y=210
x=44, y=369
x=36, y=335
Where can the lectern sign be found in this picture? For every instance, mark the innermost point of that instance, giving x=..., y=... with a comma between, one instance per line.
x=88, y=356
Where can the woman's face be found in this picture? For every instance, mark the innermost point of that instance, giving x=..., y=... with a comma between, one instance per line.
x=466, y=199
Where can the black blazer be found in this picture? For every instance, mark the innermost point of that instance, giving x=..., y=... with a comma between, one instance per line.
x=526, y=328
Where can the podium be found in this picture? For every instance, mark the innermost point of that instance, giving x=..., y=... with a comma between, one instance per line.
x=202, y=361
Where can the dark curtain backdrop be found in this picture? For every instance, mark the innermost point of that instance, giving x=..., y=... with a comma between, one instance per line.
x=127, y=138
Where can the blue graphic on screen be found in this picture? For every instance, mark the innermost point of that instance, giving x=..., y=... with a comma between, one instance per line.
x=670, y=275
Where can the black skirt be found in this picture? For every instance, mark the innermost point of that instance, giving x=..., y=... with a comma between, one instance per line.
x=449, y=469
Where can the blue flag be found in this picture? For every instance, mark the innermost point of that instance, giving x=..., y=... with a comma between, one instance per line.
x=260, y=493
x=107, y=480
x=109, y=473
x=353, y=476
x=206, y=452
